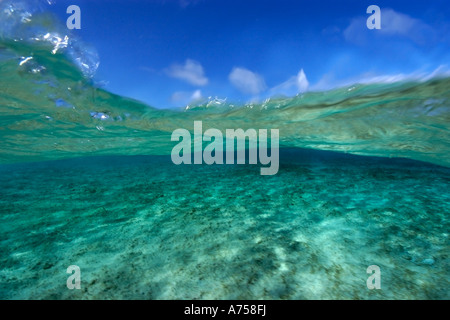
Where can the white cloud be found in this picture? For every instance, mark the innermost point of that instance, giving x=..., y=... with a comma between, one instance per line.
x=441, y=71
x=191, y=72
x=329, y=82
x=292, y=86
x=392, y=23
x=197, y=95
x=402, y=24
x=183, y=98
x=247, y=81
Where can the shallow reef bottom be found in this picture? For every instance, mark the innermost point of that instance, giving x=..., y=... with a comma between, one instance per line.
x=140, y=227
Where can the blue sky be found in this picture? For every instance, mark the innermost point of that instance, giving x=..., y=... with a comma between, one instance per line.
x=169, y=53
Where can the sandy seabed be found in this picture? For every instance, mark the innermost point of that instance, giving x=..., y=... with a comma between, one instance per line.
x=143, y=228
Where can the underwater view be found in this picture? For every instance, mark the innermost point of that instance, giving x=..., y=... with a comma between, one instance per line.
x=137, y=182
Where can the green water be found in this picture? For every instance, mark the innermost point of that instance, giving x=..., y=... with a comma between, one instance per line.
x=86, y=179
x=56, y=113
x=142, y=228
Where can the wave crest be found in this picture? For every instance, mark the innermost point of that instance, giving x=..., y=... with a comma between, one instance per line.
x=27, y=22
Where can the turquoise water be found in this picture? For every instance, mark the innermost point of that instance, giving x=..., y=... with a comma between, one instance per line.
x=86, y=179
x=142, y=228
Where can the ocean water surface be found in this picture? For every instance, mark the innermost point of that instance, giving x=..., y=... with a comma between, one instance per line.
x=86, y=179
